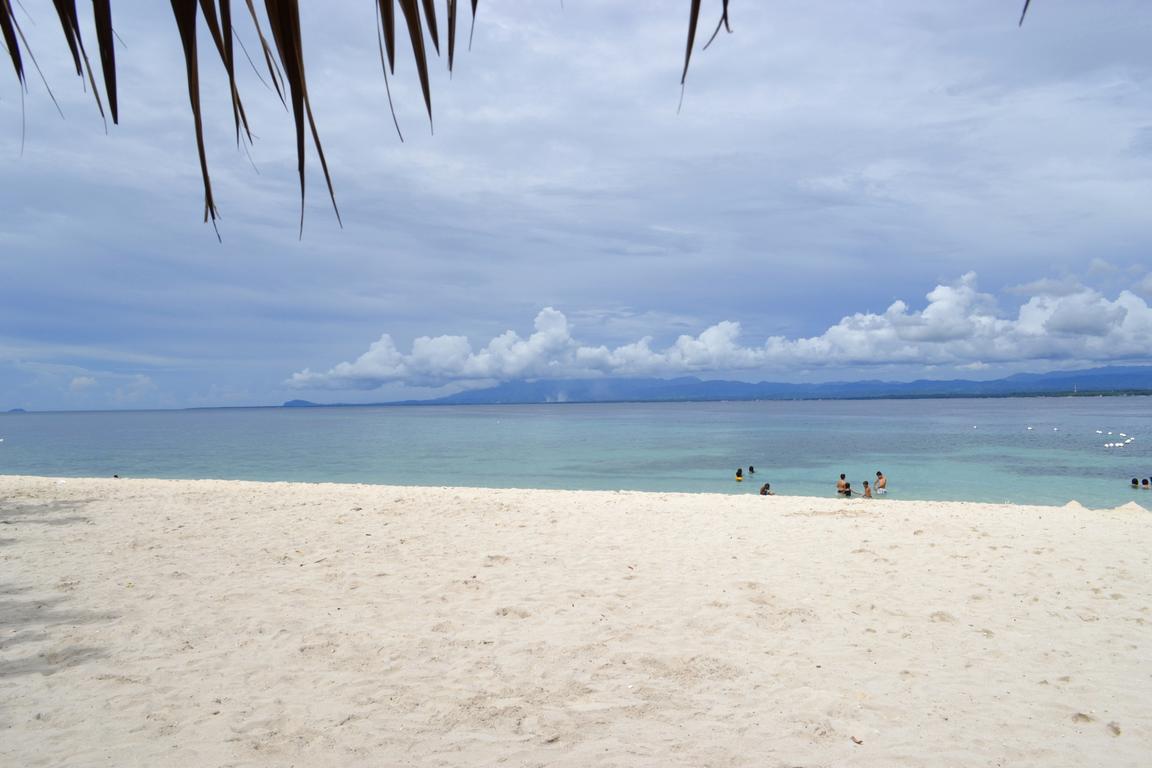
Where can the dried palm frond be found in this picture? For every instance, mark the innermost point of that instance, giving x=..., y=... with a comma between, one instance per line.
x=284, y=21
x=221, y=31
x=102, y=17
x=284, y=58
x=1024, y=12
x=185, y=13
x=70, y=23
x=412, y=19
x=9, y=27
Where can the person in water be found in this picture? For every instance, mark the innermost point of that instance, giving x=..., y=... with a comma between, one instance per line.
x=1144, y=484
x=881, y=483
x=766, y=490
x=739, y=474
x=1135, y=483
x=867, y=491
x=751, y=469
x=847, y=492
x=841, y=484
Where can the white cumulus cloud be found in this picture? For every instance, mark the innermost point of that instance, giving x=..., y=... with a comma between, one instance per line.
x=958, y=326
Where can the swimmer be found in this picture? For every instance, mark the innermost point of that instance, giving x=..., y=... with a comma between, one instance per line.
x=847, y=490
x=1135, y=483
x=751, y=469
x=841, y=484
x=740, y=475
x=1144, y=484
x=867, y=490
x=766, y=490
x=881, y=483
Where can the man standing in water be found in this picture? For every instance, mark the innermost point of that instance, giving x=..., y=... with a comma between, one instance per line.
x=841, y=484
x=881, y=483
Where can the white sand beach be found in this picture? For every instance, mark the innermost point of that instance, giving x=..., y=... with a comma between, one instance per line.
x=212, y=623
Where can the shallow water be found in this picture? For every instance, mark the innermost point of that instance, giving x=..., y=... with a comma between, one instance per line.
x=979, y=450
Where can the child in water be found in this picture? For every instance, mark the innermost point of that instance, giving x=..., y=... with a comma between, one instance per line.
x=740, y=474
x=766, y=490
x=867, y=490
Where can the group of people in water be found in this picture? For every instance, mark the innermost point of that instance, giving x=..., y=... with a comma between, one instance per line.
x=1143, y=484
x=843, y=487
x=765, y=490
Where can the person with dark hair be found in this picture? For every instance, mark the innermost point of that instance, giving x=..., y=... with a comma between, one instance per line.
x=881, y=483
x=847, y=490
x=1135, y=483
x=751, y=469
x=766, y=490
x=841, y=484
x=1144, y=483
x=740, y=474
x=867, y=491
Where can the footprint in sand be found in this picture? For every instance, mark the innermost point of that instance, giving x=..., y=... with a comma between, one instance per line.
x=942, y=616
x=513, y=611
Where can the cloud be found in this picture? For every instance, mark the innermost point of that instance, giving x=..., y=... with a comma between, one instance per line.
x=958, y=326
x=1145, y=285
x=450, y=358
x=910, y=153
x=134, y=389
x=1048, y=286
x=81, y=383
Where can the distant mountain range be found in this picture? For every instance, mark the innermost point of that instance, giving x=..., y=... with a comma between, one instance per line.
x=1112, y=380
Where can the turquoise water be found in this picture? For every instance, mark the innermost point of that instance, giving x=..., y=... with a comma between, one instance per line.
x=980, y=450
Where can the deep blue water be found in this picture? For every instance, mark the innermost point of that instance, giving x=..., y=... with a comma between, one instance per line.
x=980, y=450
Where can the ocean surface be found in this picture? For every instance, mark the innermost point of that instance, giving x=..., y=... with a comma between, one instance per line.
x=1026, y=450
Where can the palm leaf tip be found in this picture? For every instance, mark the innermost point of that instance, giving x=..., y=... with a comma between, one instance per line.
x=430, y=15
x=185, y=12
x=693, y=20
x=284, y=21
x=451, y=32
x=8, y=28
x=412, y=19
x=102, y=15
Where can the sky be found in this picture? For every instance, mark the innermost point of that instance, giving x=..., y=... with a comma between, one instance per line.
x=878, y=189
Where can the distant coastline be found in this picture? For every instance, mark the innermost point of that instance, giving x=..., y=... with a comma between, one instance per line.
x=1112, y=381
x=413, y=403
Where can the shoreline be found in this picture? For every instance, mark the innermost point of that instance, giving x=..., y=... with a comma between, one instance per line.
x=1137, y=499
x=203, y=622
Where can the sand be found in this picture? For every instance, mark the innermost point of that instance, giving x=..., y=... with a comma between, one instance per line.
x=211, y=623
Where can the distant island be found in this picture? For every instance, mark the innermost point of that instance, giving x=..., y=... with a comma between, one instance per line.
x=1111, y=380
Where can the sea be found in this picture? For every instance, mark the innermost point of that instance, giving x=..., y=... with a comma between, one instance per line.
x=1037, y=450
